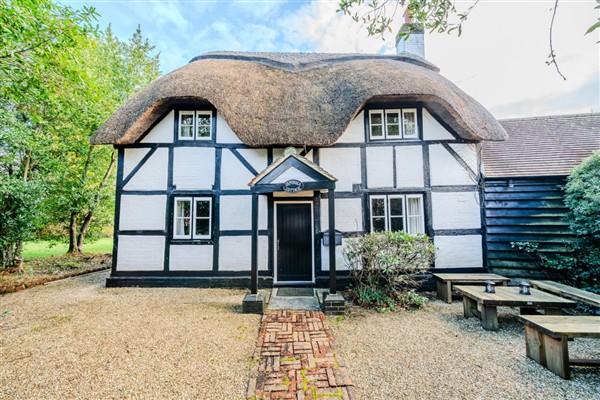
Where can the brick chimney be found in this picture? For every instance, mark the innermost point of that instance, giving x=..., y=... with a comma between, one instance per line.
x=415, y=43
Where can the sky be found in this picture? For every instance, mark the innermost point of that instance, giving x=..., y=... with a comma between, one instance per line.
x=500, y=58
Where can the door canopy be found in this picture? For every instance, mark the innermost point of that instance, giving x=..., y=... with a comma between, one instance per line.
x=292, y=173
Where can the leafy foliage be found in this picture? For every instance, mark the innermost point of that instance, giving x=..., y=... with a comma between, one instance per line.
x=60, y=78
x=582, y=196
x=596, y=25
x=432, y=15
x=384, y=265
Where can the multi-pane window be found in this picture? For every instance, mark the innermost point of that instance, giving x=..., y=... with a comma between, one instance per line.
x=195, y=125
x=397, y=213
x=192, y=218
x=393, y=124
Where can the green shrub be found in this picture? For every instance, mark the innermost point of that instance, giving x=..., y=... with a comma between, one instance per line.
x=383, y=266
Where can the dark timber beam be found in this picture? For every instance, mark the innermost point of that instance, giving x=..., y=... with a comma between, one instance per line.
x=254, y=277
x=331, y=205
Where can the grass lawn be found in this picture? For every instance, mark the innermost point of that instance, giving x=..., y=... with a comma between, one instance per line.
x=41, y=249
x=38, y=271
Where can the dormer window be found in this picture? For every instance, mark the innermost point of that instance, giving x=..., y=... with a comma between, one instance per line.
x=195, y=125
x=393, y=124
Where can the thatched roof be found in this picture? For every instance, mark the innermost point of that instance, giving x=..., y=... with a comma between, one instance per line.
x=542, y=146
x=297, y=99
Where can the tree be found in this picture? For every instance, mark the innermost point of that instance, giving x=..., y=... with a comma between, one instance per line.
x=432, y=15
x=82, y=186
x=60, y=78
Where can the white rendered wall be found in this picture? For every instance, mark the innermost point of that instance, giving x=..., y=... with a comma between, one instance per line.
x=163, y=132
x=153, y=174
x=380, y=167
x=236, y=213
x=224, y=133
x=445, y=169
x=235, y=253
x=234, y=175
x=139, y=213
x=355, y=132
x=344, y=164
x=468, y=153
x=348, y=215
x=278, y=153
x=132, y=159
x=340, y=261
x=432, y=130
x=140, y=253
x=458, y=251
x=409, y=167
x=191, y=258
x=460, y=210
x=193, y=168
x=292, y=173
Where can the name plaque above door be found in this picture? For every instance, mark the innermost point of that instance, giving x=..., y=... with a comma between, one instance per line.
x=293, y=186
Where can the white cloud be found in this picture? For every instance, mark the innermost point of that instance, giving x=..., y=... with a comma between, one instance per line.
x=330, y=32
x=500, y=58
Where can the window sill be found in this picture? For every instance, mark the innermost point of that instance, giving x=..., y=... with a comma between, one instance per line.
x=192, y=241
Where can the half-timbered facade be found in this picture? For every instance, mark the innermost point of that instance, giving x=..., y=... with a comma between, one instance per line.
x=234, y=160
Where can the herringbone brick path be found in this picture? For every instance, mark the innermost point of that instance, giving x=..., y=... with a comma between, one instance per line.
x=294, y=359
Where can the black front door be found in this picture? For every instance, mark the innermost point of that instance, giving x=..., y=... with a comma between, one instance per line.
x=294, y=242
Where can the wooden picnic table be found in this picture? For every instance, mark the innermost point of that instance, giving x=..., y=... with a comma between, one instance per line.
x=568, y=291
x=476, y=302
x=546, y=340
x=445, y=281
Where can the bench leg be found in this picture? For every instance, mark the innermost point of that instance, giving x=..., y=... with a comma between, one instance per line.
x=528, y=311
x=548, y=352
x=489, y=318
x=469, y=307
x=553, y=311
x=444, y=291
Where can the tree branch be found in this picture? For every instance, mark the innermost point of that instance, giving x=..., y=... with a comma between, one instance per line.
x=552, y=56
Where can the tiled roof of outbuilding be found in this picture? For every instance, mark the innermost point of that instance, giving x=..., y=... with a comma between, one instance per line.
x=542, y=146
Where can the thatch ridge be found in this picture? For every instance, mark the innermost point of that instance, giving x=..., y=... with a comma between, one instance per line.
x=265, y=105
x=300, y=61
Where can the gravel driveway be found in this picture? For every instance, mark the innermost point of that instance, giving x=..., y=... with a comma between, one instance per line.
x=76, y=339
x=436, y=354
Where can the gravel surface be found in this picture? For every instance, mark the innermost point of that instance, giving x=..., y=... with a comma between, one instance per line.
x=435, y=353
x=76, y=339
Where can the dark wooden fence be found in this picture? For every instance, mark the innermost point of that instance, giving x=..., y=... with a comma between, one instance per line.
x=523, y=210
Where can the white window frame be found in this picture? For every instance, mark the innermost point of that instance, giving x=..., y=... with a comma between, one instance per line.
x=195, y=115
x=175, y=217
x=382, y=113
x=385, y=210
x=400, y=123
x=210, y=125
x=389, y=210
x=181, y=115
x=421, y=210
x=405, y=214
x=192, y=235
x=384, y=127
x=196, y=200
x=403, y=123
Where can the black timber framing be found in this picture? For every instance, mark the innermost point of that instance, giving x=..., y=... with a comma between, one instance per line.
x=361, y=192
x=529, y=209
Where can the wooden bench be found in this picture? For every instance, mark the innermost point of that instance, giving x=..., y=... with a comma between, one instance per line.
x=444, y=282
x=478, y=303
x=546, y=340
x=568, y=292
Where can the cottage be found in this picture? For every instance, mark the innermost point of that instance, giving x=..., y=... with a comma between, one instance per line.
x=251, y=169
x=523, y=194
